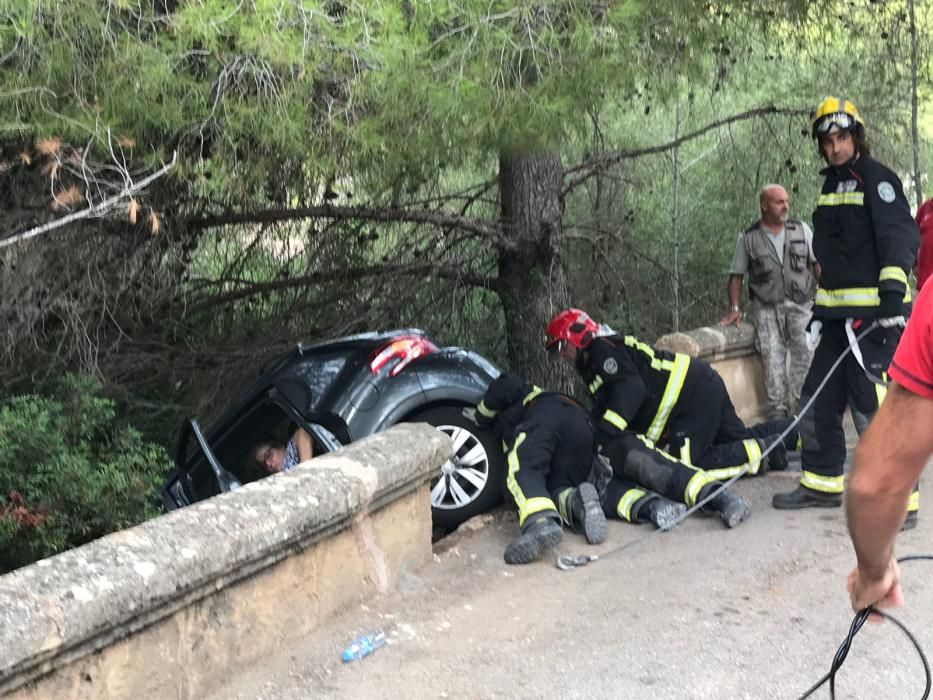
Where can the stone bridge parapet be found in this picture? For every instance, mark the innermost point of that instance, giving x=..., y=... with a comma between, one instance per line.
x=733, y=351
x=169, y=608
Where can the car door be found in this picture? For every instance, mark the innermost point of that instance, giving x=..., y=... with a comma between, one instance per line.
x=213, y=464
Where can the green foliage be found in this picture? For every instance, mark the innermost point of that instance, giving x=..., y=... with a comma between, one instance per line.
x=69, y=472
x=276, y=104
x=623, y=226
x=472, y=78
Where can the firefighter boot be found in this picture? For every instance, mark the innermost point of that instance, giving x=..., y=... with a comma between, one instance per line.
x=792, y=441
x=600, y=474
x=805, y=498
x=664, y=514
x=587, y=514
x=910, y=522
x=537, y=537
x=731, y=508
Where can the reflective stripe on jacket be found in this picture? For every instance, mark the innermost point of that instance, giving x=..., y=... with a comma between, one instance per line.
x=864, y=239
x=634, y=385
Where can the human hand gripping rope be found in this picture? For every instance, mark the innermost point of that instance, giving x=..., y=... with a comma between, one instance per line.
x=857, y=622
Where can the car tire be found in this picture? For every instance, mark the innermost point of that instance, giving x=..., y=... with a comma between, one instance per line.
x=472, y=481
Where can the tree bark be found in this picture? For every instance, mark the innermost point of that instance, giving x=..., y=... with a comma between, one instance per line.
x=914, y=130
x=675, y=216
x=532, y=284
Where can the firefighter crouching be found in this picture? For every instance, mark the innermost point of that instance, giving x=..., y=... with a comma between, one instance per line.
x=866, y=242
x=553, y=473
x=671, y=399
x=549, y=447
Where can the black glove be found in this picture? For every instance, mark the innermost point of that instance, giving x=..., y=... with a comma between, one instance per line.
x=891, y=305
x=480, y=420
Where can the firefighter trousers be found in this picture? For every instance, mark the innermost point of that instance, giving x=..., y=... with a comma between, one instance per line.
x=705, y=431
x=639, y=468
x=822, y=437
x=549, y=456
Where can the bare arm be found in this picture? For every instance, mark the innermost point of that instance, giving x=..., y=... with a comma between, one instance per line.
x=305, y=445
x=734, y=291
x=888, y=462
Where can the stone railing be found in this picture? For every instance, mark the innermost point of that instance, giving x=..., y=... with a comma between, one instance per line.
x=167, y=608
x=733, y=352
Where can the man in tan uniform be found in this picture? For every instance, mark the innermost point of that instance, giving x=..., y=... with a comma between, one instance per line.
x=777, y=254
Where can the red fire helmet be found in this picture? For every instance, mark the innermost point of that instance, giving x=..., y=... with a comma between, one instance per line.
x=572, y=326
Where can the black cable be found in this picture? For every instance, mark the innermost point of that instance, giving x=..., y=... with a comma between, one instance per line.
x=915, y=557
x=857, y=622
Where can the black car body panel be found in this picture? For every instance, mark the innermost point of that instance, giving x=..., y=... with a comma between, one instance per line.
x=454, y=375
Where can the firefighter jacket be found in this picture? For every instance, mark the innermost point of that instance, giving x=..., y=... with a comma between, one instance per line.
x=770, y=280
x=504, y=403
x=634, y=386
x=864, y=238
x=510, y=401
x=549, y=441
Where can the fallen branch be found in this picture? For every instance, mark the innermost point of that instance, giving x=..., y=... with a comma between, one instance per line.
x=250, y=289
x=95, y=210
x=582, y=172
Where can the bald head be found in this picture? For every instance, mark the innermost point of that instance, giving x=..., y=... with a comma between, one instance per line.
x=774, y=206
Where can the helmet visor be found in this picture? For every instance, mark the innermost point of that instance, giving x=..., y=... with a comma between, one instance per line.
x=831, y=122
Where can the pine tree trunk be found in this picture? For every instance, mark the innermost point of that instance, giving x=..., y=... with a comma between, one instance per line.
x=532, y=285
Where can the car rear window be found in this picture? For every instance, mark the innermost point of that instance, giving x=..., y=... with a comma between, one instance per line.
x=319, y=371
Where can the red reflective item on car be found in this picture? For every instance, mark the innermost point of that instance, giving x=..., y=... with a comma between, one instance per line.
x=405, y=349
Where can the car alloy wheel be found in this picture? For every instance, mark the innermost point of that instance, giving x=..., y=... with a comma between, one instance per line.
x=464, y=476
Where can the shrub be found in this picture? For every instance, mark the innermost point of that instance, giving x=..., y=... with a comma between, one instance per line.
x=70, y=472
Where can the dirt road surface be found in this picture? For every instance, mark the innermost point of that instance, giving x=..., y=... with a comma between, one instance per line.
x=700, y=612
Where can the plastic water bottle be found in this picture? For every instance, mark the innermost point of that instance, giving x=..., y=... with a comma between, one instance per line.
x=364, y=646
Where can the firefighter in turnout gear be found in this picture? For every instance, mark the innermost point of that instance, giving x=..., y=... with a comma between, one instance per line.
x=549, y=444
x=551, y=448
x=866, y=242
x=669, y=398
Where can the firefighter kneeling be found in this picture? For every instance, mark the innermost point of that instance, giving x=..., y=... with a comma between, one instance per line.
x=673, y=400
x=635, y=460
x=550, y=443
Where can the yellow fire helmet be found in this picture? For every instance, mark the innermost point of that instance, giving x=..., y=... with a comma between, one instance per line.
x=834, y=114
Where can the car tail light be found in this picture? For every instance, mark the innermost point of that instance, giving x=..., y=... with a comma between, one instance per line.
x=405, y=349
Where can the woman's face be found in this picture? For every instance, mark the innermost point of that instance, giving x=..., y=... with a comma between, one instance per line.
x=270, y=458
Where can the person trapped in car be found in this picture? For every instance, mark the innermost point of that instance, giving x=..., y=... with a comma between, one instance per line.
x=274, y=456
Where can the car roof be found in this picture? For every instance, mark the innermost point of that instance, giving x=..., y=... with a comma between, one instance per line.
x=301, y=351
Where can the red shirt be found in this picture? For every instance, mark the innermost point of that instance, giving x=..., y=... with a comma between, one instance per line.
x=912, y=366
x=925, y=255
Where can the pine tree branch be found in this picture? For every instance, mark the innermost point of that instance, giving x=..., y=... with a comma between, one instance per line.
x=486, y=229
x=316, y=278
x=580, y=173
x=96, y=210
